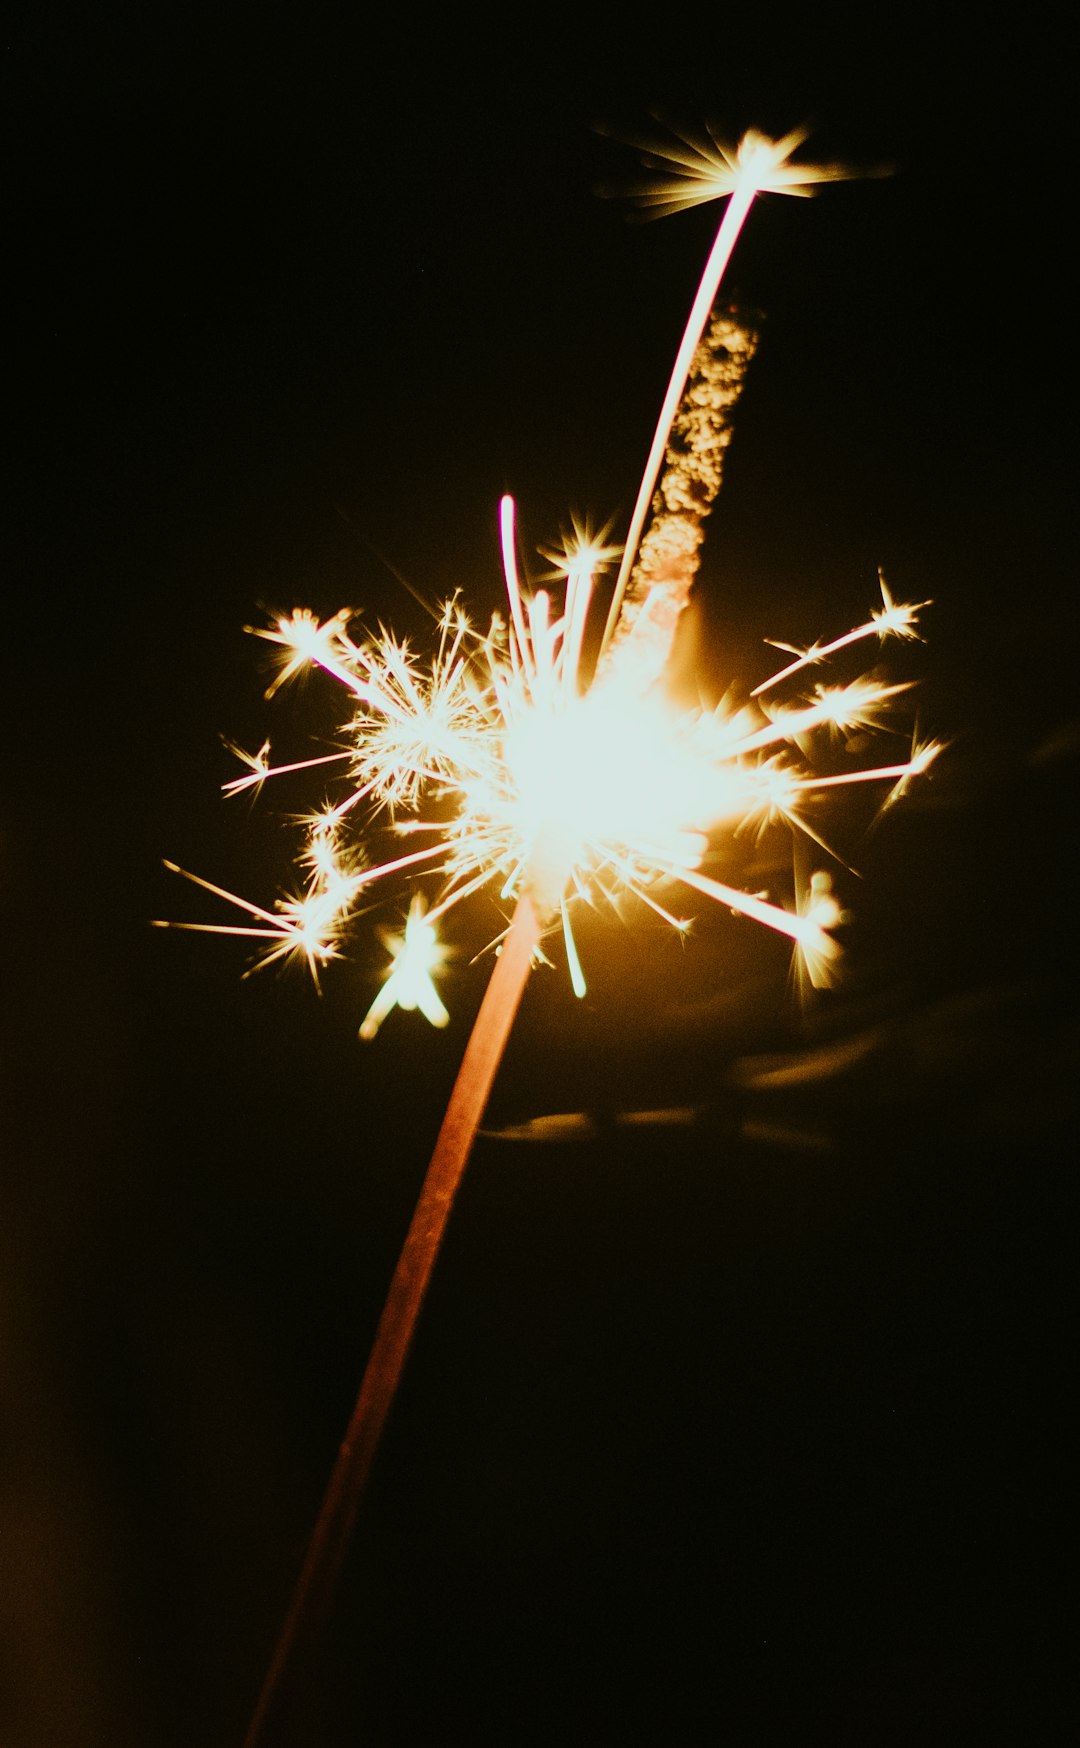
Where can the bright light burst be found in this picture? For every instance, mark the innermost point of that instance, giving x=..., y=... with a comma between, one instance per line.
x=514, y=774
x=504, y=769
x=697, y=170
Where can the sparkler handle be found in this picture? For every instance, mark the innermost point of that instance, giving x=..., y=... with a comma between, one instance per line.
x=337, y=1515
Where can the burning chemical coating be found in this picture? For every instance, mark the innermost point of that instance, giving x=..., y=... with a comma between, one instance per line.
x=658, y=589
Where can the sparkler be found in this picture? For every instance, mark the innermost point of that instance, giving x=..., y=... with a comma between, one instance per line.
x=494, y=763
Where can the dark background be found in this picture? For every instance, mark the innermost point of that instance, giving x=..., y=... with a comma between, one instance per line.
x=745, y=1425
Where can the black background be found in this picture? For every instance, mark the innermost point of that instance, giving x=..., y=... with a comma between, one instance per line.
x=744, y=1426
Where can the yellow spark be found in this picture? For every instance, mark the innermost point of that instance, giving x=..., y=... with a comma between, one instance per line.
x=820, y=910
x=416, y=720
x=704, y=170
x=892, y=619
x=299, y=928
x=304, y=642
x=922, y=757
x=896, y=618
x=415, y=957
x=581, y=553
x=258, y=765
x=859, y=705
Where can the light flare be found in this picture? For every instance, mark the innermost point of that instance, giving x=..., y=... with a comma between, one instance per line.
x=302, y=640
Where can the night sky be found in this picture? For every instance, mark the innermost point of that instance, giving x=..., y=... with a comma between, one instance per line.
x=742, y=1423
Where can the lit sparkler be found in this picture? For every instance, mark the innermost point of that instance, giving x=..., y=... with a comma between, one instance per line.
x=500, y=762
x=510, y=770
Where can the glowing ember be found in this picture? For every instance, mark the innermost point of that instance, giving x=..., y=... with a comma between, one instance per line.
x=509, y=771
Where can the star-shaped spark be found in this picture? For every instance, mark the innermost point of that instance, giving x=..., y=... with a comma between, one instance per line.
x=415, y=957
x=696, y=170
x=891, y=619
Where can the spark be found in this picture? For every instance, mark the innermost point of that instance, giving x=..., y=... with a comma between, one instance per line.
x=892, y=619
x=820, y=913
x=415, y=957
x=300, y=928
x=258, y=768
x=302, y=640
x=581, y=553
x=699, y=171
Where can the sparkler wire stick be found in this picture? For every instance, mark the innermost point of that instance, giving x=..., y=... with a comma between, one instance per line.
x=333, y=1527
